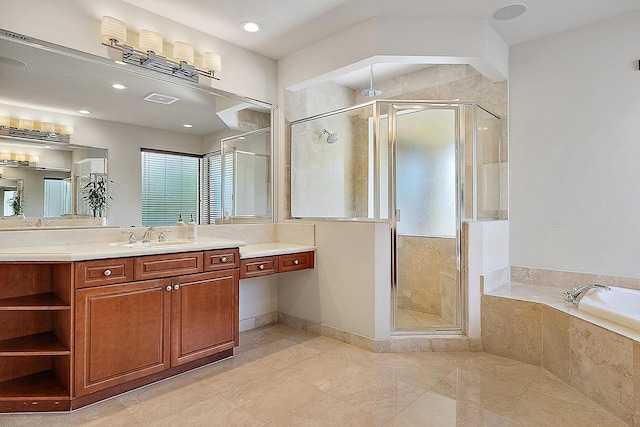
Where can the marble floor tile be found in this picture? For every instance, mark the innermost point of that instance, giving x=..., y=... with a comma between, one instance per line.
x=327, y=410
x=377, y=391
x=287, y=377
x=272, y=396
x=323, y=371
x=434, y=410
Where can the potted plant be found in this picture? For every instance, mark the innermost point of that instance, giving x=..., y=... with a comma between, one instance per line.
x=17, y=203
x=97, y=195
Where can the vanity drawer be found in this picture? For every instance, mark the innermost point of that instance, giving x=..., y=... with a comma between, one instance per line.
x=167, y=265
x=298, y=261
x=221, y=259
x=254, y=267
x=104, y=272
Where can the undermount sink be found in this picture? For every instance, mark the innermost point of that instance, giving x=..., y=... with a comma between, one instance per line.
x=154, y=244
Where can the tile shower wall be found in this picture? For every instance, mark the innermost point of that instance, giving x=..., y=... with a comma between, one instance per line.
x=439, y=82
x=427, y=275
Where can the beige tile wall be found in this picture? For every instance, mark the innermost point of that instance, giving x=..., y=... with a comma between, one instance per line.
x=601, y=364
x=425, y=268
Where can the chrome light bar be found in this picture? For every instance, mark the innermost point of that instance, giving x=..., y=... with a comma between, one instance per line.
x=159, y=63
x=34, y=134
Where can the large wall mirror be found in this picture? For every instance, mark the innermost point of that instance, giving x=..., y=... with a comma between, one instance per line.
x=43, y=82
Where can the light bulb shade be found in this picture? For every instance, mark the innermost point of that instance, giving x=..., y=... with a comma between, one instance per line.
x=67, y=130
x=19, y=157
x=183, y=52
x=211, y=62
x=25, y=124
x=47, y=127
x=5, y=121
x=150, y=40
x=34, y=158
x=113, y=28
x=5, y=156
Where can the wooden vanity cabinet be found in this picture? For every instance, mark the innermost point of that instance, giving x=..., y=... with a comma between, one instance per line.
x=36, y=338
x=263, y=266
x=122, y=333
x=131, y=331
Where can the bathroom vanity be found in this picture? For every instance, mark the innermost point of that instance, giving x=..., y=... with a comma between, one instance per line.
x=81, y=323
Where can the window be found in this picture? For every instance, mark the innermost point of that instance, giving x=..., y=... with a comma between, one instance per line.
x=169, y=187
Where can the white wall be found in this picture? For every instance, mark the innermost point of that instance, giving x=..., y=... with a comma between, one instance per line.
x=349, y=287
x=575, y=149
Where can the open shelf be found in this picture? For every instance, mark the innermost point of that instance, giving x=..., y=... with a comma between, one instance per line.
x=48, y=301
x=42, y=385
x=43, y=344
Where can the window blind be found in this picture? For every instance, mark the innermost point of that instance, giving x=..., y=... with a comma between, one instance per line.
x=169, y=187
x=213, y=205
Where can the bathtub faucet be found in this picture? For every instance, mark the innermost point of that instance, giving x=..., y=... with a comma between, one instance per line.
x=571, y=297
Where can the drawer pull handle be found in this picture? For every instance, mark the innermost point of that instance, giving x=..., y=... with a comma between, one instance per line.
x=176, y=287
x=296, y=262
x=261, y=267
x=107, y=273
x=168, y=288
x=223, y=259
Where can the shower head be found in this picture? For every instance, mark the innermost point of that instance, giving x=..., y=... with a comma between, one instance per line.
x=333, y=137
x=371, y=92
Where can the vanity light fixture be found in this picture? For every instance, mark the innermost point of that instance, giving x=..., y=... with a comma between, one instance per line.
x=15, y=160
x=42, y=131
x=251, y=26
x=149, y=53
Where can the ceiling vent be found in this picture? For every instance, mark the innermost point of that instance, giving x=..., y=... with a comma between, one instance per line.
x=161, y=99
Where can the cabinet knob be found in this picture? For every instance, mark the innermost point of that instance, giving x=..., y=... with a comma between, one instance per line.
x=176, y=287
x=168, y=288
x=107, y=273
x=261, y=267
x=223, y=259
x=296, y=262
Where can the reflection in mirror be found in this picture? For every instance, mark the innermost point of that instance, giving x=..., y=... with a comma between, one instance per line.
x=44, y=82
x=11, y=190
x=51, y=177
x=246, y=177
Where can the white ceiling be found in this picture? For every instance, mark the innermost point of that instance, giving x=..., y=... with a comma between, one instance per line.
x=290, y=25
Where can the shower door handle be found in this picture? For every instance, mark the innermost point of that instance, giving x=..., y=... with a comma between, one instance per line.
x=397, y=215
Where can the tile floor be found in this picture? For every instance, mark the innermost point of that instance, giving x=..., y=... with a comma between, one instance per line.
x=408, y=319
x=287, y=377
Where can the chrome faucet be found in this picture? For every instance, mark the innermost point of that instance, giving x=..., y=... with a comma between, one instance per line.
x=132, y=236
x=39, y=222
x=571, y=297
x=162, y=237
x=146, y=237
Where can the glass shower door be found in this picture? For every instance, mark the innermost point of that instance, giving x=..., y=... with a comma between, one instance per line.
x=425, y=218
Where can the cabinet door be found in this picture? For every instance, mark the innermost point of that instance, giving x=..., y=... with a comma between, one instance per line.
x=121, y=333
x=204, y=315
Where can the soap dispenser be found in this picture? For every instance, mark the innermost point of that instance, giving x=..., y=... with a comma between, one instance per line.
x=180, y=222
x=192, y=229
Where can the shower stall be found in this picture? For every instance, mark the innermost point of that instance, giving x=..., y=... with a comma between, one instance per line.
x=423, y=166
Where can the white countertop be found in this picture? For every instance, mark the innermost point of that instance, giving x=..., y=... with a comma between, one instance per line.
x=89, y=251
x=271, y=249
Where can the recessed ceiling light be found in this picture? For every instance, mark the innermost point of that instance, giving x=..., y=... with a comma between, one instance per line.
x=509, y=12
x=120, y=62
x=187, y=125
x=84, y=111
x=118, y=86
x=250, y=26
x=10, y=62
